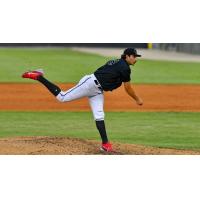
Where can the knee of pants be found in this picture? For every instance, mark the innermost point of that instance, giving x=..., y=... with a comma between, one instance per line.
x=99, y=115
x=62, y=98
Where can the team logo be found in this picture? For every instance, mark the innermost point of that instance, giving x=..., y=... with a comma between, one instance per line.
x=112, y=62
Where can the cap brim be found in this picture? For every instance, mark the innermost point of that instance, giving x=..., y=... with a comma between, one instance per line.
x=138, y=55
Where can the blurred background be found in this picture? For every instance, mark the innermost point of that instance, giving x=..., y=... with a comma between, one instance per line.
x=191, y=48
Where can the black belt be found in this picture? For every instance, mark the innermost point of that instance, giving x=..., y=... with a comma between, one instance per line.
x=99, y=86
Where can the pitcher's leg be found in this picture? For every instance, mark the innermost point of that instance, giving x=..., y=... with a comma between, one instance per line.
x=39, y=76
x=54, y=89
x=96, y=104
x=77, y=92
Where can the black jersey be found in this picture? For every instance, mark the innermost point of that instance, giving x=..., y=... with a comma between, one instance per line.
x=112, y=74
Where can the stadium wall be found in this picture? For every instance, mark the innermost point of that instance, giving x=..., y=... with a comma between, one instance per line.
x=113, y=45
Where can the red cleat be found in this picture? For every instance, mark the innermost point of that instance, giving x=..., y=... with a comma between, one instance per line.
x=106, y=147
x=33, y=74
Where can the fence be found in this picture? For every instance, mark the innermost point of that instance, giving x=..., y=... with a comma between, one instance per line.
x=192, y=48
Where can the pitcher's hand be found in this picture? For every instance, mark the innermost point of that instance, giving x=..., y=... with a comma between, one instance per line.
x=139, y=102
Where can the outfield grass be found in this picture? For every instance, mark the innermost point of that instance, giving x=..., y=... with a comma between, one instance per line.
x=173, y=130
x=60, y=64
x=167, y=72
x=64, y=65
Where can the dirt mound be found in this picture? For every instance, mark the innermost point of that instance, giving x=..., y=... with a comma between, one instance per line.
x=73, y=146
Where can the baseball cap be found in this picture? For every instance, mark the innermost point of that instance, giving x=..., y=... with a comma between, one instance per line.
x=131, y=51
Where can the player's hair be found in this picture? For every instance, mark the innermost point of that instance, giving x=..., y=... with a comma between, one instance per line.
x=123, y=56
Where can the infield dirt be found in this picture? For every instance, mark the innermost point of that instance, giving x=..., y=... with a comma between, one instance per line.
x=34, y=97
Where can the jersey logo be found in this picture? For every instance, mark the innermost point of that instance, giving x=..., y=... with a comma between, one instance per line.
x=112, y=62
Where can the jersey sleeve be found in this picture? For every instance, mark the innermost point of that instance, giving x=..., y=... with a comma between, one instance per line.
x=126, y=75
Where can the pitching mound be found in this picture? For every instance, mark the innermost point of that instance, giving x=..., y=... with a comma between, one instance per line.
x=73, y=146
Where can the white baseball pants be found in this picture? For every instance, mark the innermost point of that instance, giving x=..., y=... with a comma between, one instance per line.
x=86, y=88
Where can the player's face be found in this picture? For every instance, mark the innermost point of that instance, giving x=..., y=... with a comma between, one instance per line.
x=131, y=59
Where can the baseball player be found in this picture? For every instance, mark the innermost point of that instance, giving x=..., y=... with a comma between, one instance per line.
x=106, y=78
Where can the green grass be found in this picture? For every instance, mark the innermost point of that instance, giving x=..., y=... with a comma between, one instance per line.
x=173, y=130
x=167, y=72
x=60, y=64
x=64, y=65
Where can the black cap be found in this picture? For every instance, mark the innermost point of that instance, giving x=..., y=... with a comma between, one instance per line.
x=131, y=51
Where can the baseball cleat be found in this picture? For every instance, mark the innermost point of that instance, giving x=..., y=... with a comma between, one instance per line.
x=33, y=74
x=106, y=147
